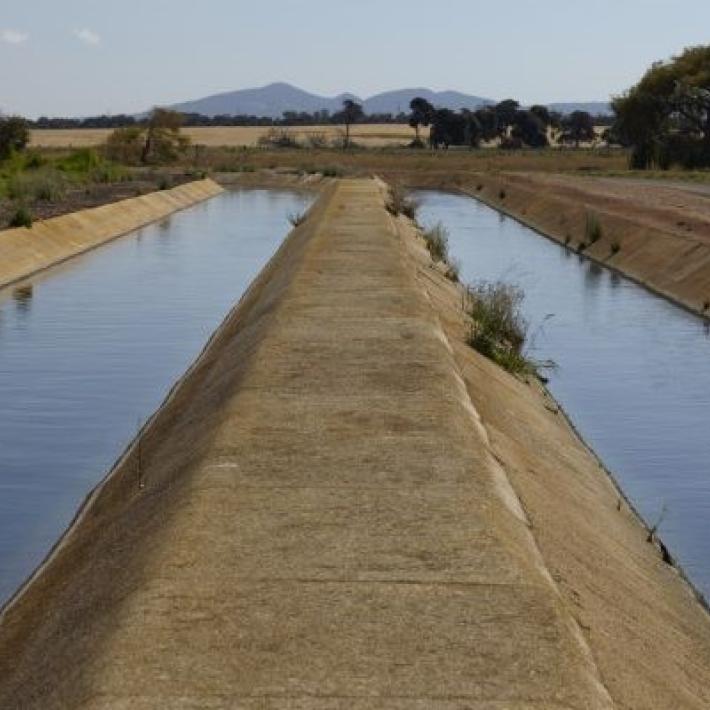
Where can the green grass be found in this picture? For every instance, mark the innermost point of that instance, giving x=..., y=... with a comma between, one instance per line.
x=498, y=329
x=35, y=176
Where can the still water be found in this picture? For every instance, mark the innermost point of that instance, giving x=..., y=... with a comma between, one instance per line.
x=633, y=369
x=91, y=348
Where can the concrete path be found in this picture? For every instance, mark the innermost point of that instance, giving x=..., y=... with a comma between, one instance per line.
x=317, y=521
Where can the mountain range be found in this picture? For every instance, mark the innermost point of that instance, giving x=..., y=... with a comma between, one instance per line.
x=271, y=101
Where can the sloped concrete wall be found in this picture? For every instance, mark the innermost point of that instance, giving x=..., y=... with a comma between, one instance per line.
x=24, y=252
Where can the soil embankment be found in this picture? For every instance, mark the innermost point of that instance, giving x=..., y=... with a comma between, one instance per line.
x=657, y=234
x=321, y=516
x=24, y=252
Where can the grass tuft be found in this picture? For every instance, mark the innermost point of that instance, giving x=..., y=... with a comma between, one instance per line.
x=437, y=242
x=499, y=330
x=401, y=203
x=592, y=228
x=297, y=218
x=453, y=271
x=22, y=217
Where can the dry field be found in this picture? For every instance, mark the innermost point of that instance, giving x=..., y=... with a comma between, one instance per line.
x=371, y=136
x=424, y=167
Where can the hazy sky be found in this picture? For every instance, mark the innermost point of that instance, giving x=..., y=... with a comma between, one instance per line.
x=79, y=57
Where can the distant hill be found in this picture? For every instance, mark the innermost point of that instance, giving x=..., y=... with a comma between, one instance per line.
x=596, y=108
x=395, y=102
x=267, y=101
x=271, y=101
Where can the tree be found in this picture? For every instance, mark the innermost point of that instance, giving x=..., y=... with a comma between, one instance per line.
x=505, y=112
x=530, y=129
x=447, y=128
x=350, y=113
x=125, y=145
x=14, y=135
x=665, y=118
x=542, y=113
x=422, y=115
x=487, y=119
x=163, y=140
x=577, y=127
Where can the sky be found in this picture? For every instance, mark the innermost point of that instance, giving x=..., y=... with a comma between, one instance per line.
x=86, y=57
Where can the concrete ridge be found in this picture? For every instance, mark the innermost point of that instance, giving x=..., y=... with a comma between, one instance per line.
x=332, y=370
x=25, y=252
x=648, y=636
x=507, y=493
x=127, y=457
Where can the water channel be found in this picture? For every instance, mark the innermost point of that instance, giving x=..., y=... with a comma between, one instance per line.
x=633, y=369
x=89, y=349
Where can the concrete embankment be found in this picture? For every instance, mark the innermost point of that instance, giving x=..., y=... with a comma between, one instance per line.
x=24, y=252
x=322, y=516
x=649, y=635
x=656, y=234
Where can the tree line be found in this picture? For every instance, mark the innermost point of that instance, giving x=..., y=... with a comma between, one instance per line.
x=289, y=118
x=506, y=123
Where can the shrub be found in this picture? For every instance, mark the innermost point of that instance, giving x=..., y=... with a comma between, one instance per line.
x=164, y=183
x=615, y=248
x=125, y=145
x=278, y=138
x=80, y=161
x=332, y=172
x=47, y=185
x=401, y=203
x=592, y=228
x=498, y=328
x=14, y=135
x=317, y=140
x=22, y=217
x=34, y=159
x=437, y=242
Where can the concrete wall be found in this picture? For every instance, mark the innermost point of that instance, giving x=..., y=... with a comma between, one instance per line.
x=24, y=252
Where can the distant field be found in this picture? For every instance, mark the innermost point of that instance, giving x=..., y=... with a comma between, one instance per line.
x=375, y=135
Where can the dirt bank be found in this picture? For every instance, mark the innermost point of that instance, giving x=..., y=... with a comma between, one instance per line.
x=26, y=251
x=657, y=234
x=321, y=516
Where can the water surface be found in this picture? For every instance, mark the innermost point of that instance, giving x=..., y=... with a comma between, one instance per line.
x=90, y=349
x=634, y=370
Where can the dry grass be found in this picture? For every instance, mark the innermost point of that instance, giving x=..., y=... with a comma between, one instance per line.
x=371, y=136
x=414, y=168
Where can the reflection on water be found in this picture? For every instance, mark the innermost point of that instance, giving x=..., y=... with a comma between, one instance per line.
x=634, y=370
x=91, y=347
